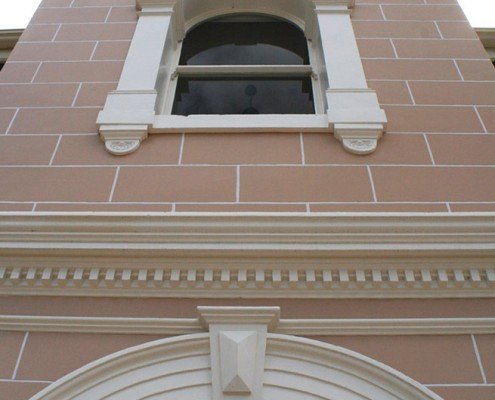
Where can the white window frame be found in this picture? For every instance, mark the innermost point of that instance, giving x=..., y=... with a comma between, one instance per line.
x=344, y=104
x=166, y=94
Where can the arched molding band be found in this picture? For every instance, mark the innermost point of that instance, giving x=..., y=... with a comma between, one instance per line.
x=192, y=366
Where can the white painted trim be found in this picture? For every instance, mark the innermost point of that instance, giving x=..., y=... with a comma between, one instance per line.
x=303, y=327
x=136, y=108
x=268, y=316
x=184, y=363
x=241, y=123
x=328, y=255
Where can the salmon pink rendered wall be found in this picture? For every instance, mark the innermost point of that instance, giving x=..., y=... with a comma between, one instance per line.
x=433, y=79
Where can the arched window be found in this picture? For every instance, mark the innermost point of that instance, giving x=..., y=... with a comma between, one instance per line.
x=236, y=71
x=244, y=64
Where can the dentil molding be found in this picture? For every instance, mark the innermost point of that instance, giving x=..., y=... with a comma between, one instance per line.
x=249, y=255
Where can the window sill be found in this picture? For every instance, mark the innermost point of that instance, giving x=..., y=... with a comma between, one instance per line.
x=121, y=139
x=241, y=123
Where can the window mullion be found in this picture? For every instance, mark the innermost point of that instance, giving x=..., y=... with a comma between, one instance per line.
x=219, y=71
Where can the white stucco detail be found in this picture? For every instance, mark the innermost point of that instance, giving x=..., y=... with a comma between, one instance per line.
x=146, y=87
x=237, y=360
x=182, y=368
x=212, y=255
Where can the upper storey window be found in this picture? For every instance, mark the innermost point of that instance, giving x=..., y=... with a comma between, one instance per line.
x=244, y=64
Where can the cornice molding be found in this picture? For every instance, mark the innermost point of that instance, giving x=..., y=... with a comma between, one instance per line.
x=249, y=255
x=268, y=316
x=248, y=231
x=304, y=327
x=9, y=37
x=487, y=36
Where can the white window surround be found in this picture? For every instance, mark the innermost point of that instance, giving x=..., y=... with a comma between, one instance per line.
x=238, y=357
x=129, y=115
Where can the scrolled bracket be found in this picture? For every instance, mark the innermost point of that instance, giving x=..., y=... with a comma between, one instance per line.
x=360, y=146
x=123, y=140
x=359, y=139
x=122, y=147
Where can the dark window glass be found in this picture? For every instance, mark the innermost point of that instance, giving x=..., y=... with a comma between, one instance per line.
x=243, y=96
x=266, y=42
x=1, y=65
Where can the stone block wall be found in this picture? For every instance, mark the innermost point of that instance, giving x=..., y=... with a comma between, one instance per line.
x=431, y=73
x=457, y=367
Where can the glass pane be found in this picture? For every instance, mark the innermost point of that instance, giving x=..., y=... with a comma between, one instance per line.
x=243, y=96
x=269, y=42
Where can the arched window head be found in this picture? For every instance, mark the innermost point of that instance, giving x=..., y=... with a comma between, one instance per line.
x=244, y=64
x=245, y=39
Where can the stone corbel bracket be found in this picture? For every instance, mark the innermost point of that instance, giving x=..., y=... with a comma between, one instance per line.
x=357, y=118
x=129, y=110
x=125, y=120
x=237, y=345
x=353, y=109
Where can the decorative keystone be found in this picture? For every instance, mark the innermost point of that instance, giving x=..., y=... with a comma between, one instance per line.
x=237, y=345
x=237, y=360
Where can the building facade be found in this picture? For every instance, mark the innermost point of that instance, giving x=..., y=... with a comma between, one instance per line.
x=347, y=253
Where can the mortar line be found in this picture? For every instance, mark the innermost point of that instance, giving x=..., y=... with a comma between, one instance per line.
x=460, y=385
x=93, y=52
x=108, y=14
x=301, y=142
x=7, y=131
x=24, y=381
x=76, y=95
x=375, y=200
x=114, y=185
x=478, y=358
x=55, y=150
x=410, y=92
x=238, y=184
x=438, y=29
x=383, y=13
x=56, y=33
x=458, y=69
x=18, y=362
x=481, y=120
x=429, y=149
x=181, y=148
x=394, y=48
x=36, y=72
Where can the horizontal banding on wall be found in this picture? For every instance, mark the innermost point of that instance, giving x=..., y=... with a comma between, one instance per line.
x=307, y=327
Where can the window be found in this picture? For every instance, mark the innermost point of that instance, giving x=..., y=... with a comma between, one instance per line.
x=244, y=64
x=238, y=65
